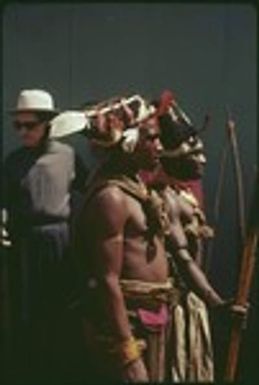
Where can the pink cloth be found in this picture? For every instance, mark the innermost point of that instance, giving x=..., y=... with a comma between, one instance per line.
x=155, y=320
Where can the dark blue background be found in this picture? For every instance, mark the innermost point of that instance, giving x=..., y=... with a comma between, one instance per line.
x=205, y=53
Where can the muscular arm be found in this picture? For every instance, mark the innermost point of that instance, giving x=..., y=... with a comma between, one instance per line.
x=108, y=221
x=107, y=224
x=191, y=272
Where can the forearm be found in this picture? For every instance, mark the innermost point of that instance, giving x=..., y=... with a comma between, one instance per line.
x=115, y=309
x=196, y=279
x=124, y=346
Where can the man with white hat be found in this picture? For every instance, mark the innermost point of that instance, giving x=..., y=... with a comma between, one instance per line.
x=35, y=108
x=38, y=178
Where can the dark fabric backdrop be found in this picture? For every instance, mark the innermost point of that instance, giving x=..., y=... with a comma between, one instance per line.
x=205, y=53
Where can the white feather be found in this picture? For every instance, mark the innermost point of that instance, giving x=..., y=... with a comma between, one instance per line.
x=67, y=123
x=130, y=139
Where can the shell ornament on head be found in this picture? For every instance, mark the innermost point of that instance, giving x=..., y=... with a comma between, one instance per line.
x=108, y=123
x=178, y=135
x=117, y=121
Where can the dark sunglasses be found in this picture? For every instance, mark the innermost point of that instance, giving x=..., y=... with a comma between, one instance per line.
x=27, y=125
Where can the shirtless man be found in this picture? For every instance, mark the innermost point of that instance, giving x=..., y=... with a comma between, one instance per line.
x=190, y=344
x=183, y=159
x=121, y=246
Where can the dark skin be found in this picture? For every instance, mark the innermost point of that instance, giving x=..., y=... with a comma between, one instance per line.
x=188, y=165
x=115, y=224
x=194, y=162
x=192, y=273
x=188, y=218
x=180, y=211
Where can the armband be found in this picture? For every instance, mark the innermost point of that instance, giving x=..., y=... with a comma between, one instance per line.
x=183, y=256
x=183, y=247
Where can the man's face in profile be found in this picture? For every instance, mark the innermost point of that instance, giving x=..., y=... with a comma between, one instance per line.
x=149, y=146
x=190, y=164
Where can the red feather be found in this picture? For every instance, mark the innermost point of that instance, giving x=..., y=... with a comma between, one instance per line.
x=166, y=99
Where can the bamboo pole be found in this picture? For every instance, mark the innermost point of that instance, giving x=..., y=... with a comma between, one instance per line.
x=245, y=281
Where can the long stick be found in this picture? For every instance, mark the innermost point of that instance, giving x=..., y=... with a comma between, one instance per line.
x=245, y=280
x=231, y=127
x=217, y=202
x=218, y=197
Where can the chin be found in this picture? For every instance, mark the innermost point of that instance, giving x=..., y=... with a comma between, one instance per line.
x=198, y=173
x=29, y=144
x=154, y=165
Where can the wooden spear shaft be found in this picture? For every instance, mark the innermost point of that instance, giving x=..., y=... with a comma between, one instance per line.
x=231, y=127
x=245, y=280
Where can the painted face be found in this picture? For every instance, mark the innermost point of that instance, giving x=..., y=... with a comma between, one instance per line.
x=187, y=161
x=29, y=128
x=195, y=160
x=149, y=146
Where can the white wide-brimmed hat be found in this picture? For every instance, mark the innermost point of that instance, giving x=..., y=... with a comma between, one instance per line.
x=34, y=100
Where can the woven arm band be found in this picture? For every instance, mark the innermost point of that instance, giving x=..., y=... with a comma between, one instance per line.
x=128, y=351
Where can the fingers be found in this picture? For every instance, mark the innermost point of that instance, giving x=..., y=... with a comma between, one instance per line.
x=241, y=312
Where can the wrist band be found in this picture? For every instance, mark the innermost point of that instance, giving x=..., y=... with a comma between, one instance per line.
x=183, y=247
x=179, y=248
x=128, y=350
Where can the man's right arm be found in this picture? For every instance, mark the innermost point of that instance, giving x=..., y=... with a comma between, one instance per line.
x=191, y=272
x=194, y=275
x=108, y=223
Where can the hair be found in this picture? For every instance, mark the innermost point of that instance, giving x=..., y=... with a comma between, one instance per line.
x=45, y=117
x=118, y=161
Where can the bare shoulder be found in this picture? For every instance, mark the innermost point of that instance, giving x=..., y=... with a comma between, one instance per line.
x=172, y=201
x=186, y=208
x=108, y=209
x=109, y=197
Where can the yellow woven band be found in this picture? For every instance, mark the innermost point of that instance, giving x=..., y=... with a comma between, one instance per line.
x=128, y=350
